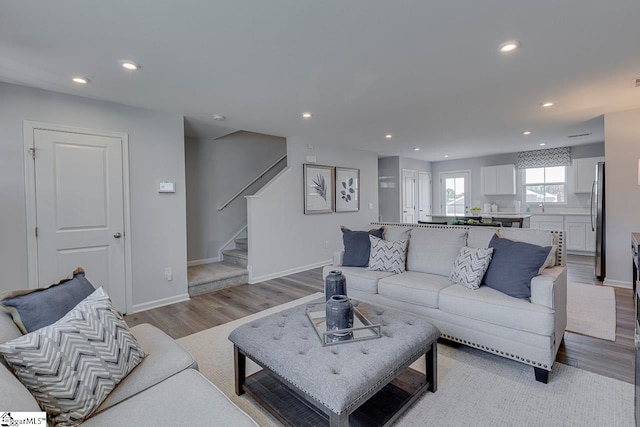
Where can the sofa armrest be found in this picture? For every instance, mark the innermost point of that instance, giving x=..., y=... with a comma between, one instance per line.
x=550, y=288
x=337, y=258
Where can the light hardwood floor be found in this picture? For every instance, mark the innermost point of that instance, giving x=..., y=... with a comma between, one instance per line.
x=612, y=359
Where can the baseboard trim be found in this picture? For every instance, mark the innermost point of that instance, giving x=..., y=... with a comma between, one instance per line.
x=202, y=261
x=618, y=283
x=159, y=303
x=254, y=280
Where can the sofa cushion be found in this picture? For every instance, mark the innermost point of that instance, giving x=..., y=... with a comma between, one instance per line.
x=492, y=306
x=433, y=251
x=187, y=398
x=33, y=309
x=479, y=237
x=393, y=233
x=165, y=358
x=361, y=279
x=388, y=255
x=470, y=266
x=13, y=395
x=513, y=266
x=413, y=287
x=357, y=246
x=72, y=365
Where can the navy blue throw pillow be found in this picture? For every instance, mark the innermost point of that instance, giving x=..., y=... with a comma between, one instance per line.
x=513, y=266
x=357, y=246
x=36, y=308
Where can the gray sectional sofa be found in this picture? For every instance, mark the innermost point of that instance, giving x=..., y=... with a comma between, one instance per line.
x=164, y=389
x=527, y=330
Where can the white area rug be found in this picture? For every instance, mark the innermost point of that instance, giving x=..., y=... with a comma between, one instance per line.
x=591, y=310
x=474, y=388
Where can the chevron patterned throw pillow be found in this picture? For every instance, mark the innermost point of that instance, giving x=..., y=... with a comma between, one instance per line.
x=470, y=266
x=387, y=255
x=72, y=365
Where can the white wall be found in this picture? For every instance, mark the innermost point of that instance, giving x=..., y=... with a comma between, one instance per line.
x=156, y=152
x=282, y=239
x=622, y=193
x=216, y=170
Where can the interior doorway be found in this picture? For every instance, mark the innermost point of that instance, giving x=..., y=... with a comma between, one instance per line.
x=409, y=196
x=78, y=210
x=424, y=196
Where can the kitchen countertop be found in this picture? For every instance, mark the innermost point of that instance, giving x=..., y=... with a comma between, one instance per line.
x=559, y=213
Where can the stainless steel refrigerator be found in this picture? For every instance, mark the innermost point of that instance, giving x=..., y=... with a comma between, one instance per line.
x=598, y=219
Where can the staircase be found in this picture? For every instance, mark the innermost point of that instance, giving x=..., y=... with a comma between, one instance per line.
x=231, y=271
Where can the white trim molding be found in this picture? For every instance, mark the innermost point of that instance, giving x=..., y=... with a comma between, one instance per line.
x=618, y=283
x=159, y=303
x=254, y=280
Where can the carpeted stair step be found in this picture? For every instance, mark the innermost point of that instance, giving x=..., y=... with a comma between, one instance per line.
x=242, y=244
x=235, y=256
x=214, y=276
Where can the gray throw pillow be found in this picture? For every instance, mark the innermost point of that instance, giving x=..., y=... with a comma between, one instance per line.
x=388, y=255
x=36, y=308
x=470, y=266
x=71, y=366
x=357, y=246
x=513, y=266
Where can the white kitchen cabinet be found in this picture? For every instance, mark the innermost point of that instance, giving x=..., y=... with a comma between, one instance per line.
x=498, y=180
x=584, y=172
x=547, y=222
x=579, y=235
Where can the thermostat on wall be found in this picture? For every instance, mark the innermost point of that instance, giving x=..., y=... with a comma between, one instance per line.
x=167, y=187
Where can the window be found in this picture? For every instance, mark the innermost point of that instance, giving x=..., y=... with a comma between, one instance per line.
x=545, y=185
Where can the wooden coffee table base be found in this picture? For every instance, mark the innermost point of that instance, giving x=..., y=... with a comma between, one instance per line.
x=293, y=407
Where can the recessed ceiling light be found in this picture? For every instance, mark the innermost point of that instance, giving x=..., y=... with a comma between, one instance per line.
x=218, y=117
x=388, y=136
x=306, y=115
x=416, y=149
x=446, y=156
x=542, y=144
x=547, y=104
x=80, y=80
x=129, y=65
x=510, y=46
x=526, y=132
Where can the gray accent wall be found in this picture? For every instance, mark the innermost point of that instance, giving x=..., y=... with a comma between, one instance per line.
x=216, y=170
x=390, y=184
x=622, y=193
x=282, y=239
x=156, y=153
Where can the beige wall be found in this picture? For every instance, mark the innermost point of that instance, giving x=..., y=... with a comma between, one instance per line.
x=622, y=192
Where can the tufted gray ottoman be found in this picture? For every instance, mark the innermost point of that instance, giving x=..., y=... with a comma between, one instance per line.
x=357, y=383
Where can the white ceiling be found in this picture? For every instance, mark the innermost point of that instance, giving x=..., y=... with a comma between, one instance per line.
x=428, y=72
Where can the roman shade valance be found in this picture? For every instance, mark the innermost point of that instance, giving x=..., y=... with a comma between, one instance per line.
x=545, y=158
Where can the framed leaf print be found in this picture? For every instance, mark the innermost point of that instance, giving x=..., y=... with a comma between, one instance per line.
x=318, y=189
x=347, y=190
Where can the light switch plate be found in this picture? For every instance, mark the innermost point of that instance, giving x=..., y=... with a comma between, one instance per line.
x=311, y=159
x=167, y=187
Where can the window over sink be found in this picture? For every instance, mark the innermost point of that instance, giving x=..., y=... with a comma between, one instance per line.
x=545, y=185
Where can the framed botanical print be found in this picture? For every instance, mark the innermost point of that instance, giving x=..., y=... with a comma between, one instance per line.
x=318, y=189
x=347, y=190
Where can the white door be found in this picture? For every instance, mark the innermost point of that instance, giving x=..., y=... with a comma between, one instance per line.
x=80, y=209
x=409, y=196
x=424, y=195
x=454, y=193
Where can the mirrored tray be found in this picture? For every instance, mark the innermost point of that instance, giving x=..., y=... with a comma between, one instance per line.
x=362, y=329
